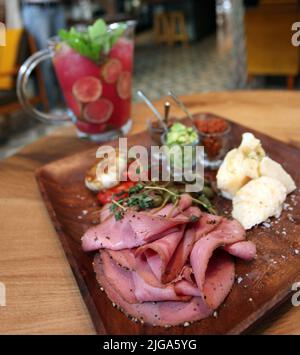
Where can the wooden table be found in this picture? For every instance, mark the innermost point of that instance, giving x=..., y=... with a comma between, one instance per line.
x=42, y=295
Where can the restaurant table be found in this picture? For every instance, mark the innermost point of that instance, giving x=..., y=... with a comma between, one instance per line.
x=42, y=296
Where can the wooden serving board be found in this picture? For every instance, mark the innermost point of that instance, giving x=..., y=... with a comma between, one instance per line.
x=261, y=285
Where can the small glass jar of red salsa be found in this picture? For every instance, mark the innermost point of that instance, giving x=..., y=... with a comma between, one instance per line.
x=214, y=132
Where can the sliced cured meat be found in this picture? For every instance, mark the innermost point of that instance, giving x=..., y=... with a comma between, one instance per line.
x=137, y=228
x=133, y=230
x=187, y=284
x=160, y=313
x=167, y=256
x=180, y=256
x=110, y=234
x=133, y=288
x=146, y=292
x=124, y=258
x=184, y=287
x=169, y=266
x=105, y=212
x=158, y=253
x=245, y=250
x=219, y=278
x=119, y=278
x=170, y=211
x=206, y=268
x=148, y=227
x=206, y=224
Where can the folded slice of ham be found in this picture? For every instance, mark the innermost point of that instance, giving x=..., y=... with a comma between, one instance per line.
x=133, y=230
x=137, y=228
x=124, y=258
x=180, y=255
x=245, y=250
x=133, y=288
x=120, y=279
x=207, y=268
x=158, y=253
x=159, y=313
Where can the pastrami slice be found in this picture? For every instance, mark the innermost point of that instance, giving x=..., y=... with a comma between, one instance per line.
x=154, y=313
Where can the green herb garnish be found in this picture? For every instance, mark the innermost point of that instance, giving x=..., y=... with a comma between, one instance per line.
x=95, y=42
x=143, y=197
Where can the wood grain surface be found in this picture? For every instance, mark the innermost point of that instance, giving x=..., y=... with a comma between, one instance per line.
x=42, y=295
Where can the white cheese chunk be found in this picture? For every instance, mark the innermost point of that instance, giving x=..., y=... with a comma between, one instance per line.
x=240, y=165
x=271, y=168
x=258, y=200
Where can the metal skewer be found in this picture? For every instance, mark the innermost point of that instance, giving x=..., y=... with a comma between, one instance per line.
x=182, y=106
x=167, y=111
x=152, y=108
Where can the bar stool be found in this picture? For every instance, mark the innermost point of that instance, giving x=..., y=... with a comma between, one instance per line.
x=170, y=27
x=161, y=28
x=178, y=29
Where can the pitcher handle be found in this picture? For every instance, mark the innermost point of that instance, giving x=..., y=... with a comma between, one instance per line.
x=23, y=76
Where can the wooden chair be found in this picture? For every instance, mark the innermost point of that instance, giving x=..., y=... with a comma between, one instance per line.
x=170, y=27
x=8, y=97
x=178, y=29
x=268, y=38
x=161, y=28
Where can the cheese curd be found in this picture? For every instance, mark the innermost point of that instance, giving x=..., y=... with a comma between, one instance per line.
x=240, y=166
x=257, y=184
x=271, y=168
x=258, y=200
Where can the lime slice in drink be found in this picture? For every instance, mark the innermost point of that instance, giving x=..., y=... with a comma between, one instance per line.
x=124, y=85
x=87, y=89
x=99, y=111
x=111, y=70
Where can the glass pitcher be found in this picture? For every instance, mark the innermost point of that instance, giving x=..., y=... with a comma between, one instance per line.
x=97, y=94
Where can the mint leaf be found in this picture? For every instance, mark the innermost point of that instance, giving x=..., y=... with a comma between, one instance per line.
x=97, y=30
x=95, y=42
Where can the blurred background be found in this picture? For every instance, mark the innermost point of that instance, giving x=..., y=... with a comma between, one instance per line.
x=189, y=46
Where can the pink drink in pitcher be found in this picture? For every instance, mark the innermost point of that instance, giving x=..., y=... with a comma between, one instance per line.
x=98, y=95
x=94, y=69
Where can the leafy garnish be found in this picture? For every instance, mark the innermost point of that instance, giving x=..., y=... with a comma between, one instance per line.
x=95, y=42
x=143, y=197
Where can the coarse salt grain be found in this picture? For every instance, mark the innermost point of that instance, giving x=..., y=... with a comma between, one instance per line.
x=266, y=224
x=286, y=206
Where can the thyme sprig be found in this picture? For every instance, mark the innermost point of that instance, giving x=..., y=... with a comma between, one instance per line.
x=157, y=196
